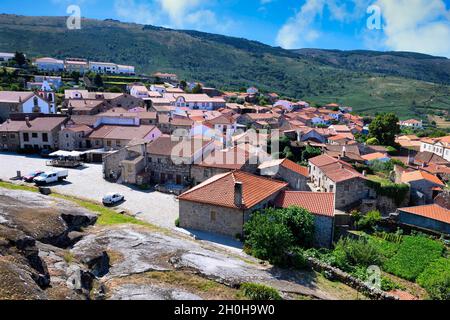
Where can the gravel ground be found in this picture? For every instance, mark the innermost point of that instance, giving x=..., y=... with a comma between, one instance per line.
x=155, y=207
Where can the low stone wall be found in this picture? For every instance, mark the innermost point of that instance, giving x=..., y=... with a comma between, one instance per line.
x=338, y=274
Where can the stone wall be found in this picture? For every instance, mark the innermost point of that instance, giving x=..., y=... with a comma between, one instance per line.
x=341, y=276
x=296, y=181
x=210, y=218
x=323, y=233
x=423, y=222
x=351, y=191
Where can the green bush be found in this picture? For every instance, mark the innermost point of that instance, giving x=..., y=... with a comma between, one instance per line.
x=436, y=279
x=386, y=248
x=373, y=142
x=177, y=222
x=368, y=221
x=259, y=292
x=414, y=255
x=267, y=237
x=270, y=234
x=350, y=253
x=301, y=223
x=299, y=259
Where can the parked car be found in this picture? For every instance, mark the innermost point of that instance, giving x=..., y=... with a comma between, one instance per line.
x=30, y=176
x=51, y=177
x=112, y=199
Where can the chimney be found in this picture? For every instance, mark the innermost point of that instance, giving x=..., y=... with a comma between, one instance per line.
x=27, y=120
x=238, y=194
x=344, y=151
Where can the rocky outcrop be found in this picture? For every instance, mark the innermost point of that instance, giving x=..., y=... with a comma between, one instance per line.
x=34, y=232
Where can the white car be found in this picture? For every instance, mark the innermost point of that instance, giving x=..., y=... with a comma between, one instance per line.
x=112, y=198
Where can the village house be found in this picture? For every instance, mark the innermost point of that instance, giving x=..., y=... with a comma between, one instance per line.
x=336, y=176
x=170, y=159
x=428, y=217
x=223, y=161
x=12, y=102
x=41, y=133
x=165, y=77
x=197, y=101
x=423, y=185
x=438, y=146
x=74, y=137
x=76, y=65
x=5, y=56
x=113, y=137
x=49, y=64
x=412, y=124
x=286, y=170
x=223, y=203
x=321, y=205
x=10, y=135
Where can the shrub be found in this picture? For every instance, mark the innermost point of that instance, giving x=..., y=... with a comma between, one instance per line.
x=414, y=255
x=350, y=253
x=267, y=237
x=177, y=222
x=299, y=259
x=368, y=221
x=270, y=234
x=386, y=248
x=436, y=279
x=259, y=292
x=301, y=223
x=373, y=142
x=391, y=150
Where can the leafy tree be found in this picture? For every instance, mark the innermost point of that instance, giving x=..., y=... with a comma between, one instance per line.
x=301, y=223
x=368, y=221
x=20, y=59
x=98, y=81
x=183, y=84
x=373, y=142
x=384, y=128
x=197, y=89
x=310, y=152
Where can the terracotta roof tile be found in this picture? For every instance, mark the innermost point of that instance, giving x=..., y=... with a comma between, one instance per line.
x=220, y=189
x=319, y=203
x=421, y=175
x=432, y=211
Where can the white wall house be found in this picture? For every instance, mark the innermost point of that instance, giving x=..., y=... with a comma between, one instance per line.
x=49, y=64
x=412, y=123
x=5, y=56
x=199, y=102
x=438, y=146
x=128, y=70
x=103, y=67
x=139, y=92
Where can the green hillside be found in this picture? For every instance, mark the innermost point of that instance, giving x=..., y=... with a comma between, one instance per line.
x=227, y=63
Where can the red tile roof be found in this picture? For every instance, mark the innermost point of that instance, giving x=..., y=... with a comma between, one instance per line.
x=334, y=169
x=288, y=164
x=319, y=203
x=432, y=211
x=219, y=190
x=420, y=175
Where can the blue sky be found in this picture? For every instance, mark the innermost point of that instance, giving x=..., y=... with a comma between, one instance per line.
x=402, y=25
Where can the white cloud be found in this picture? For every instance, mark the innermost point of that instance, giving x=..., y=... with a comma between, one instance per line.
x=186, y=14
x=416, y=25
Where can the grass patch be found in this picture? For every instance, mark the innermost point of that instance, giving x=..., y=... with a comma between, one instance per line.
x=436, y=279
x=414, y=255
x=11, y=186
x=386, y=248
x=68, y=257
x=259, y=292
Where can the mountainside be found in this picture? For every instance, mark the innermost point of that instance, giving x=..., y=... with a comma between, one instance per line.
x=404, y=64
x=231, y=63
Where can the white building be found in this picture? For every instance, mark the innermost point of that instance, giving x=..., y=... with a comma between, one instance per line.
x=128, y=70
x=438, y=146
x=5, y=56
x=103, y=67
x=198, y=102
x=412, y=123
x=49, y=64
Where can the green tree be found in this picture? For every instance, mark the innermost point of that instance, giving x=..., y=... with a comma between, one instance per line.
x=20, y=59
x=301, y=223
x=384, y=128
x=310, y=152
x=197, y=89
x=98, y=81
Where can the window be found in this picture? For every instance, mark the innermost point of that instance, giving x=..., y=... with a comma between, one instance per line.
x=213, y=216
x=26, y=136
x=34, y=135
x=45, y=137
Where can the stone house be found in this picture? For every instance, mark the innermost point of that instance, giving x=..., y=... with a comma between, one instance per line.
x=114, y=137
x=321, y=205
x=429, y=217
x=223, y=161
x=423, y=186
x=74, y=137
x=41, y=133
x=223, y=203
x=332, y=175
x=10, y=135
x=286, y=170
x=170, y=159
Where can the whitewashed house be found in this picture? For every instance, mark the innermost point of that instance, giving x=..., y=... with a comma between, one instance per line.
x=103, y=67
x=49, y=64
